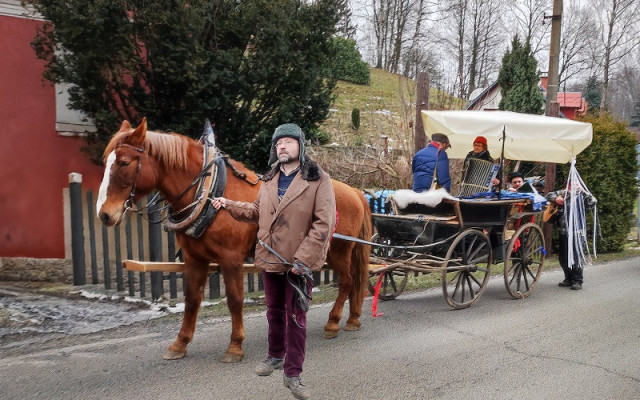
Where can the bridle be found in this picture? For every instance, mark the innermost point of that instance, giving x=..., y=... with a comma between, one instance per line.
x=128, y=204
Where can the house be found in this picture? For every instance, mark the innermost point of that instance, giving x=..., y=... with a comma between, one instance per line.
x=572, y=104
x=40, y=145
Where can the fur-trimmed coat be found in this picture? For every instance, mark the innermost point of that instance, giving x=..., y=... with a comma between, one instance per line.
x=300, y=226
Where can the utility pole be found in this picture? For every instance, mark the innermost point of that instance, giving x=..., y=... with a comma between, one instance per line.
x=552, y=107
x=422, y=103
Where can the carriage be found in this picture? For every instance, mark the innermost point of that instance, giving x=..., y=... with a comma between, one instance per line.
x=462, y=238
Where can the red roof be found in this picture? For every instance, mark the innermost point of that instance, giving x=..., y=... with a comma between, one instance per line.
x=570, y=99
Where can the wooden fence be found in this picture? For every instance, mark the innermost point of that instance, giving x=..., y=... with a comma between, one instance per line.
x=98, y=252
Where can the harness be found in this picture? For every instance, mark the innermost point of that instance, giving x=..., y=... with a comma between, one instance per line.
x=211, y=181
x=299, y=282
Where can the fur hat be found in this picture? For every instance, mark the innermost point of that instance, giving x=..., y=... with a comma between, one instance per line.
x=481, y=139
x=286, y=130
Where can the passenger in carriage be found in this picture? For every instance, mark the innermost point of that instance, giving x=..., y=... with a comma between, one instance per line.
x=432, y=159
x=517, y=180
x=480, y=151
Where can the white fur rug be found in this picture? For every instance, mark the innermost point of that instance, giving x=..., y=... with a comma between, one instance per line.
x=430, y=198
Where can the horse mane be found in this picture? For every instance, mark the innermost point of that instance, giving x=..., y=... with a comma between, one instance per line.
x=169, y=148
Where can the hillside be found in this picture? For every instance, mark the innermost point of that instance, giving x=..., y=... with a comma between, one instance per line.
x=387, y=114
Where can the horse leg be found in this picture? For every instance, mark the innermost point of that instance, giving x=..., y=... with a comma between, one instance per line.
x=360, y=275
x=233, y=276
x=335, y=259
x=195, y=276
x=356, y=297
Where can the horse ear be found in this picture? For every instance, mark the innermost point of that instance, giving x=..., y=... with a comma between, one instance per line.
x=126, y=126
x=139, y=134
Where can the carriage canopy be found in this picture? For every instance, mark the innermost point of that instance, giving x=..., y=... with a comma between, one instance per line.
x=528, y=137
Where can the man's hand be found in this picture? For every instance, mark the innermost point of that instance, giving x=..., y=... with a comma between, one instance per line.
x=300, y=269
x=219, y=202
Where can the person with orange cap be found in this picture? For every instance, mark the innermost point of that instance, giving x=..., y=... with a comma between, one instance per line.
x=481, y=151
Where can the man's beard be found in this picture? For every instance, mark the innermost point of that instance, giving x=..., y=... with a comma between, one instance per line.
x=285, y=158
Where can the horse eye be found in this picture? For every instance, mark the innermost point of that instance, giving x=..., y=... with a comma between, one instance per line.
x=123, y=163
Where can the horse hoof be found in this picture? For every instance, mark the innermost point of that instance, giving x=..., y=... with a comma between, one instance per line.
x=231, y=358
x=351, y=327
x=174, y=355
x=330, y=334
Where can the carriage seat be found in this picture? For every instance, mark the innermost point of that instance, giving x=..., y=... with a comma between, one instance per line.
x=430, y=202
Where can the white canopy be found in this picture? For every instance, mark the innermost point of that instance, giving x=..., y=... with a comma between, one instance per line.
x=528, y=137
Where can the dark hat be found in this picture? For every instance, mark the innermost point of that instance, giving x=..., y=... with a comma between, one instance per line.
x=440, y=138
x=515, y=174
x=286, y=130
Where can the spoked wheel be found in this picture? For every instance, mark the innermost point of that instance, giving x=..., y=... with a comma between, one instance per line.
x=393, y=281
x=524, y=260
x=467, y=268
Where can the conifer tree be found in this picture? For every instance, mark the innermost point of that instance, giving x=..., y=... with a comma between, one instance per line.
x=518, y=80
x=248, y=66
x=593, y=95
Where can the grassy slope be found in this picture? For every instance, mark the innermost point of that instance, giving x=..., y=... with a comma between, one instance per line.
x=387, y=106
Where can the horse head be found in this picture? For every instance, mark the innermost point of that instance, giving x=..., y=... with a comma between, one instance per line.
x=129, y=173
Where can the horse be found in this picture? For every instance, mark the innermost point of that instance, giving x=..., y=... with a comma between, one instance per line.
x=138, y=162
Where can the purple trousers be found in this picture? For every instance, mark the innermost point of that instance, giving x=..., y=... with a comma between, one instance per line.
x=286, y=339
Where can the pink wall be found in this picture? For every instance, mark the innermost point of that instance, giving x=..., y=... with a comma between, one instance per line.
x=34, y=160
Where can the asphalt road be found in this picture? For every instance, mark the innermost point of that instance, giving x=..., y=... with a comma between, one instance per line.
x=556, y=344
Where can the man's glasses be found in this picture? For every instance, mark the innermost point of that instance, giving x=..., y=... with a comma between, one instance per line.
x=286, y=142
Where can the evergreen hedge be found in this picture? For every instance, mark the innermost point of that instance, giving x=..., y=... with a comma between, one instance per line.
x=609, y=167
x=348, y=65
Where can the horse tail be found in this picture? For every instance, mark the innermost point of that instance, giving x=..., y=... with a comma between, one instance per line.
x=360, y=253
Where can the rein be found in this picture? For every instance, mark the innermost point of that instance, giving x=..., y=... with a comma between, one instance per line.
x=129, y=202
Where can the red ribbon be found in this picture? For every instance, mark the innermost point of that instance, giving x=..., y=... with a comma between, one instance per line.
x=376, y=294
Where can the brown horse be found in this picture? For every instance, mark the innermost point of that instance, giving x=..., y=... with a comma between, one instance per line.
x=138, y=162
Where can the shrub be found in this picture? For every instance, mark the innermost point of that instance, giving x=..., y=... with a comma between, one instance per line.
x=348, y=65
x=608, y=167
x=355, y=119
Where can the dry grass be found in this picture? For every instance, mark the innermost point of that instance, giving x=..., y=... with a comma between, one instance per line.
x=378, y=153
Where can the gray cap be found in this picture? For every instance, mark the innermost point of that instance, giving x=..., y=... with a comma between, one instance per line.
x=287, y=130
x=440, y=138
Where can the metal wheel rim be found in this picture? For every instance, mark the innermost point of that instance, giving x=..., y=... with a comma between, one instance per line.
x=522, y=268
x=463, y=287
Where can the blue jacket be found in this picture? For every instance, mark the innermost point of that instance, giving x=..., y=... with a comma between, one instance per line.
x=423, y=164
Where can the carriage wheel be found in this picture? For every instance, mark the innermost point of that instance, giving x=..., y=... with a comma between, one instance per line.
x=467, y=268
x=524, y=260
x=394, y=281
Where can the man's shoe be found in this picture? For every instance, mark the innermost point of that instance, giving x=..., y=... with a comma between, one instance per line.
x=565, y=283
x=576, y=286
x=267, y=367
x=298, y=390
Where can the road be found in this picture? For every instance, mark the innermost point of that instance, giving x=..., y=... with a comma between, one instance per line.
x=556, y=344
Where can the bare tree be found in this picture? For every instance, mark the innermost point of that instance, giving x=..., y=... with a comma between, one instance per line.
x=473, y=34
x=485, y=38
x=578, y=44
x=397, y=26
x=619, y=24
x=529, y=24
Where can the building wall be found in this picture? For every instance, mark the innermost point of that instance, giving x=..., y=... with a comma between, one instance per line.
x=35, y=160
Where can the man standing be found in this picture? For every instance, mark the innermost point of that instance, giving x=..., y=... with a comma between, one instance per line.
x=431, y=164
x=573, y=276
x=296, y=214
